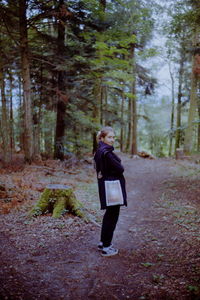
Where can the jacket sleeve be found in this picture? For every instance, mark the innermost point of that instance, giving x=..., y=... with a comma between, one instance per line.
x=114, y=164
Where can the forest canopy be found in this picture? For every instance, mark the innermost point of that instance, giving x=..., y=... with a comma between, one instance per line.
x=69, y=67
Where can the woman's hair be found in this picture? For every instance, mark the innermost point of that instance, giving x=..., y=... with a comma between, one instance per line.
x=103, y=132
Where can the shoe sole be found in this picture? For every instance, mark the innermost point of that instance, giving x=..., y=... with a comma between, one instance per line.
x=110, y=254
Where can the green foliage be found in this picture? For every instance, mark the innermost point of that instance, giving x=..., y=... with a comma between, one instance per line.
x=193, y=289
x=150, y=52
x=95, y=61
x=147, y=264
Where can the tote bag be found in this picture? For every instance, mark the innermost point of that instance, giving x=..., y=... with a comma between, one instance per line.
x=114, y=194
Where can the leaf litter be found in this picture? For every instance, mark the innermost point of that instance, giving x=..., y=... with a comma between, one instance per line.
x=157, y=235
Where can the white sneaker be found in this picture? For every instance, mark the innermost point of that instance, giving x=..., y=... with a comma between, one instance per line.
x=100, y=246
x=109, y=251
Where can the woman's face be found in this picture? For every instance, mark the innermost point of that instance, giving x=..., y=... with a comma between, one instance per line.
x=109, y=139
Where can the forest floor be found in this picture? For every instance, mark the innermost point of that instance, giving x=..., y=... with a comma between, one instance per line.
x=158, y=235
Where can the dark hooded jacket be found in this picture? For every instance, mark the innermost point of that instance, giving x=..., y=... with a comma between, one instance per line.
x=108, y=167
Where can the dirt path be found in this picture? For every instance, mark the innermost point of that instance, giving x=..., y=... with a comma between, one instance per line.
x=158, y=259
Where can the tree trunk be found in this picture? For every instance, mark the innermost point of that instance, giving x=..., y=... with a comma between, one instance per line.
x=12, y=143
x=122, y=124
x=20, y=115
x=133, y=121
x=103, y=4
x=179, y=104
x=28, y=122
x=96, y=112
x=61, y=105
x=129, y=127
x=98, y=88
x=106, y=100
x=37, y=117
x=36, y=132
x=60, y=130
x=99, y=103
x=188, y=143
x=58, y=199
x=172, y=114
x=94, y=142
x=4, y=121
x=101, y=100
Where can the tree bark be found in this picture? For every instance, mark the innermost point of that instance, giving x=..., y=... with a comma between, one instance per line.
x=128, y=139
x=98, y=88
x=26, y=81
x=122, y=124
x=179, y=104
x=20, y=115
x=61, y=105
x=11, y=129
x=36, y=132
x=96, y=112
x=188, y=142
x=133, y=108
x=172, y=114
x=4, y=121
x=101, y=101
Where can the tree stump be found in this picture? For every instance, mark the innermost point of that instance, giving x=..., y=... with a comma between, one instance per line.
x=58, y=199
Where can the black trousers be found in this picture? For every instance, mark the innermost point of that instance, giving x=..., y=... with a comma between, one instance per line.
x=109, y=223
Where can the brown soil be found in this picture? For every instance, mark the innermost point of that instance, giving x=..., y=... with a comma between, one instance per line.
x=158, y=236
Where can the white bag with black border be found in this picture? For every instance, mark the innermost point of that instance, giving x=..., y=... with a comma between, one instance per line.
x=113, y=191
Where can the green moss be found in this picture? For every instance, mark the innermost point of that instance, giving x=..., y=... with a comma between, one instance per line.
x=59, y=207
x=44, y=203
x=58, y=201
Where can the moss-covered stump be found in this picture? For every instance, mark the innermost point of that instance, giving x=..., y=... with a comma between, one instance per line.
x=58, y=199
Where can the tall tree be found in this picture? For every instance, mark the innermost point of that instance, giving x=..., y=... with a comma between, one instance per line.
x=172, y=110
x=195, y=76
x=133, y=105
x=84, y=74
x=180, y=93
x=188, y=142
x=11, y=119
x=4, y=120
x=180, y=30
x=61, y=84
x=26, y=81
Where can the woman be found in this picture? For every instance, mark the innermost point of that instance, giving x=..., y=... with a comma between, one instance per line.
x=109, y=170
